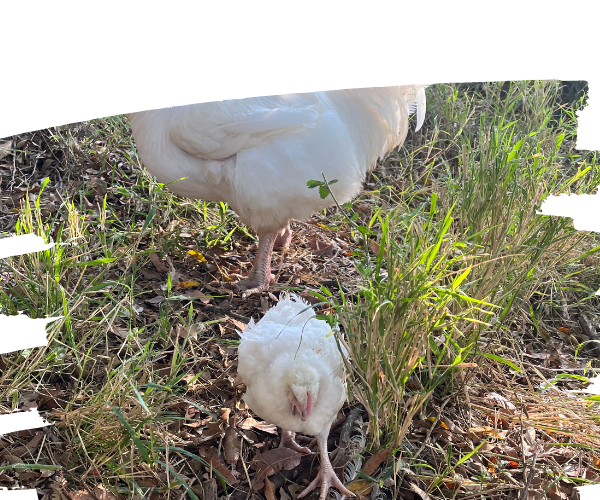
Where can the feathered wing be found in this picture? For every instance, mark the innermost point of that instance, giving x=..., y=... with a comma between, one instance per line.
x=258, y=154
x=218, y=130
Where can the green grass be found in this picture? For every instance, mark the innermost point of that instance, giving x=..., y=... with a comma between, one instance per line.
x=450, y=268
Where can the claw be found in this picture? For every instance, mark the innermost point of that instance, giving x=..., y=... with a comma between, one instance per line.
x=252, y=285
x=326, y=476
x=287, y=440
x=326, y=479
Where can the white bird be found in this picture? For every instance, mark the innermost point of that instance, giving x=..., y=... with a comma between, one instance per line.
x=258, y=154
x=294, y=374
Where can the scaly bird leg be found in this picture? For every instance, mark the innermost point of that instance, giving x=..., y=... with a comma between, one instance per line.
x=287, y=440
x=284, y=237
x=260, y=275
x=326, y=476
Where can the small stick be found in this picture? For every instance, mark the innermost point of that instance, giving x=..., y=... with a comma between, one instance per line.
x=530, y=477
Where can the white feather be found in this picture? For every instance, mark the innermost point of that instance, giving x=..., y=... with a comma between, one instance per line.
x=280, y=341
x=257, y=154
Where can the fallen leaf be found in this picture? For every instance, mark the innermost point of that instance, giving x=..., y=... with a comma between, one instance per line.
x=250, y=422
x=221, y=469
x=419, y=491
x=225, y=414
x=209, y=489
x=477, y=431
x=273, y=461
x=501, y=401
x=233, y=446
x=360, y=486
x=442, y=424
x=160, y=267
x=269, y=490
x=238, y=324
x=375, y=461
x=196, y=255
x=6, y=148
x=159, y=299
x=80, y=495
x=376, y=248
x=211, y=430
x=103, y=494
x=186, y=284
x=283, y=495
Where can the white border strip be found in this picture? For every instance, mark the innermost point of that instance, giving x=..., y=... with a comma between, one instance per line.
x=22, y=244
x=21, y=421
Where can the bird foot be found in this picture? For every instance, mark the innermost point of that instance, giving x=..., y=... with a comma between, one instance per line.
x=287, y=440
x=326, y=478
x=252, y=285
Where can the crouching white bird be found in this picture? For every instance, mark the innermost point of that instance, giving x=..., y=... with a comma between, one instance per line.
x=294, y=374
x=258, y=154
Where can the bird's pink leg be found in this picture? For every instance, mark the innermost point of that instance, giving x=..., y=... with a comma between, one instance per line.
x=260, y=275
x=284, y=237
x=326, y=477
x=287, y=440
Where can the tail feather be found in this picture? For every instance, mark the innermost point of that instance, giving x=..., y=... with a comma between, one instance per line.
x=416, y=100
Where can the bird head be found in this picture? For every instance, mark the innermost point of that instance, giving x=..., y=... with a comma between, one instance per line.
x=303, y=383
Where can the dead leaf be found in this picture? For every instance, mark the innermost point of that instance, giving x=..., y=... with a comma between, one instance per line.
x=376, y=248
x=360, y=486
x=160, y=267
x=238, y=324
x=273, y=461
x=225, y=414
x=283, y=495
x=6, y=148
x=419, y=491
x=211, y=430
x=186, y=284
x=478, y=431
x=261, y=426
x=103, y=494
x=80, y=495
x=30, y=447
x=149, y=274
x=221, y=469
x=501, y=401
x=269, y=490
x=196, y=255
x=209, y=489
x=159, y=299
x=233, y=446
x=375, y=461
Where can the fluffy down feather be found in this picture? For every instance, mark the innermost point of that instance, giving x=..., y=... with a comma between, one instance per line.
x=273, y=348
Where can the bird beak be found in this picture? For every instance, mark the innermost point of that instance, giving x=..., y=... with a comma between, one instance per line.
x=308, y=409
x=303, y=410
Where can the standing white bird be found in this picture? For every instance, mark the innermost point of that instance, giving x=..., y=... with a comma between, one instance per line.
x=294, y=374
x=258, y=154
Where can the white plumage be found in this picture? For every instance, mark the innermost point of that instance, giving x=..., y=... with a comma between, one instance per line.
x=257, y=154
x=294, y=374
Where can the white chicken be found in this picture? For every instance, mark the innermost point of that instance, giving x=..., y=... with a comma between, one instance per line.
x=258, y=154
x=294, y=374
